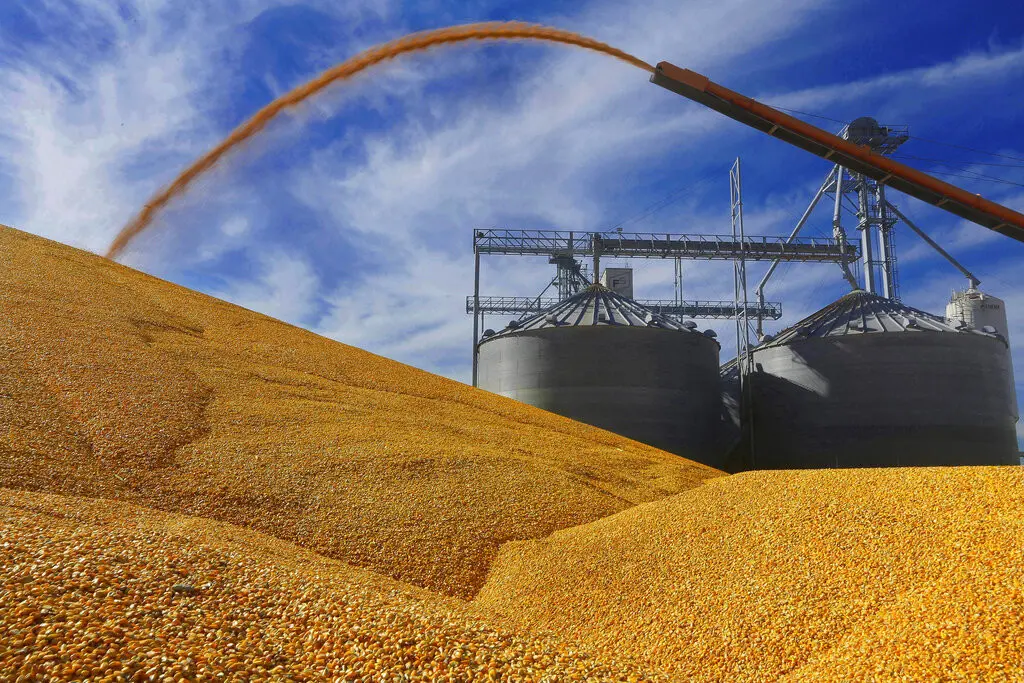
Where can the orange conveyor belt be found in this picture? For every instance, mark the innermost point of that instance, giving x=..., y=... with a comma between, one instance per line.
x=857, y=158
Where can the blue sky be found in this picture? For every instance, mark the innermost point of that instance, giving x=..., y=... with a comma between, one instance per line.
x=352, y=216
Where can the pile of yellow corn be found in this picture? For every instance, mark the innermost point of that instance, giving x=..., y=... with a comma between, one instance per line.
x=119, y=385
x=189, y=490
x=874, y=574
x=101, y=591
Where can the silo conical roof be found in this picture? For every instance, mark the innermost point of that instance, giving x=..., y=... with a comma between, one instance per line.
x=597, y=305
x=861, y=312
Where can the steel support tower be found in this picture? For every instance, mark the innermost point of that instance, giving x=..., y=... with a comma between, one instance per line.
x=876, y=217
x=739, y=269
x=865, y=198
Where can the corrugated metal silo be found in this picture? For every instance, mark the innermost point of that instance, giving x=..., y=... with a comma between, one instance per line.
x=601, y=358
x=868, y=382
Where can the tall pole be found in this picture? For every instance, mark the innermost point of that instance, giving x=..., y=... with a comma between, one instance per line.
x=837, y=211
x=476, y=311
x=569, y=289
x=744, y=356
x=740, y=264
x=837, y=226
x=679, y=281
x=889, y=286
x=864, y=225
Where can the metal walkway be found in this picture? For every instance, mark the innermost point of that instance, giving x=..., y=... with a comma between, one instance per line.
x=661, y=245
x=720, y=310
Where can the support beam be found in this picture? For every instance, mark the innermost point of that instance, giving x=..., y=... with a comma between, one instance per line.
x=864, y=226
x=660, y=245
x=837, y=209
x=476, y=315
x=890, y=287
x=792, y=236
x=934, y=245
x=838, y=233
x=718, y=310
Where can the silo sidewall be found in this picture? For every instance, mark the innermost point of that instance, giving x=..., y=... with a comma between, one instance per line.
x=885, y=399
x=657, y=386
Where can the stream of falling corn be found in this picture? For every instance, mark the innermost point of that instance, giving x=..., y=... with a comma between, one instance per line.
x=414, y=42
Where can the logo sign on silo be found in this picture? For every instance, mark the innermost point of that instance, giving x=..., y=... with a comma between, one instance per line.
x=619, y=280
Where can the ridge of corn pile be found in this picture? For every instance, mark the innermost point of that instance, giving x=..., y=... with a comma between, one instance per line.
x=190, y=490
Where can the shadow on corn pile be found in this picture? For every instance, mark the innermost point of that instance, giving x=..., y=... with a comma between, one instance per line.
x=124, y=386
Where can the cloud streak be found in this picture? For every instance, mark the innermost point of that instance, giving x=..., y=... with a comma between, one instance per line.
x=353, y=217
x=108, y=104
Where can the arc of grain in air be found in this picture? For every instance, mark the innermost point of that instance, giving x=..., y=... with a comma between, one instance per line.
x=423, y=40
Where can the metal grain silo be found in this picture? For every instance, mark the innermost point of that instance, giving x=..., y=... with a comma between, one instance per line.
x=867, y=382
x=601, y=358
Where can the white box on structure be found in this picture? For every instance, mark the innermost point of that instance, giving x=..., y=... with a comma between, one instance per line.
x=619, y=280
x=978, y=310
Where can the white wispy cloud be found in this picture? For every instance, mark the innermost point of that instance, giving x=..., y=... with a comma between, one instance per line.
x=285, y=287
x=564, y=140
x=569, y=131
x=108, y=108
x=937, y=80
x=71, y=124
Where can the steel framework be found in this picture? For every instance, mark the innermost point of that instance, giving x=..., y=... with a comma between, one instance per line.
x=717, y=310
x=660, y=245
x=866, y=198
x=563, y=247
x=876, y=216
x=739, y=270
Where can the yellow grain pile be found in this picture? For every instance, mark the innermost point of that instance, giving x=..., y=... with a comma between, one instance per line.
x=97, y=590
x=900, y=574
x=119, y=385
